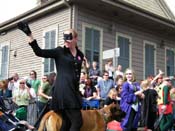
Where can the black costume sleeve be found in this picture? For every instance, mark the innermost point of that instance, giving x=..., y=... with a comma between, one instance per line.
x=46, y=53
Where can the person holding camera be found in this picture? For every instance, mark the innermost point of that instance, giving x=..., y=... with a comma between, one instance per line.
x=66, y=98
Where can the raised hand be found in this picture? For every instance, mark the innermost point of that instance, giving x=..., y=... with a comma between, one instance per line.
x=23, y=26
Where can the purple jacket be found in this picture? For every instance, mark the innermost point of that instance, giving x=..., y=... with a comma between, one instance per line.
x=127, y=99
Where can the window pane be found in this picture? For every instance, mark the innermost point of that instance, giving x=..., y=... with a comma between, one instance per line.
x=53, y=33
x=88, y=38
x=88, y=54
x=96, y=40
x=46, y=65
x=47, y=40
x=52, y=65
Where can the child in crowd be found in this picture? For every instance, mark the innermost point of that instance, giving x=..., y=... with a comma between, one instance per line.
x=149, y=105
x=111, y=98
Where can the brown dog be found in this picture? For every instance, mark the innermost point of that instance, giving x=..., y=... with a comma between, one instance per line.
x=93, y=120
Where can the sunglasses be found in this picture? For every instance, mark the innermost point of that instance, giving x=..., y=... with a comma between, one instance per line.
x=21, y=83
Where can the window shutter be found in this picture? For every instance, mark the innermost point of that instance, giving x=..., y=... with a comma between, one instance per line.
x=149, y=60
x=50, y=42
x=123, y=59
x=170, y=62
x=4, y=61
x=92, y=44
x=96, y=45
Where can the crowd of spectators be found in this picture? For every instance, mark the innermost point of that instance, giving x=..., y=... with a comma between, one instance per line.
x=149, y=98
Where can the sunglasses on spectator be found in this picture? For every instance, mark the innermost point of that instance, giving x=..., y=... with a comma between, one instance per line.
x=21, y=83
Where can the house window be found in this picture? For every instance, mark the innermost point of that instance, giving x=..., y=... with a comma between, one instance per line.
x=92, y=44
x=149, y=59
x=49, y=43
x=170, y=62
x=4, y=60
x=124, y=46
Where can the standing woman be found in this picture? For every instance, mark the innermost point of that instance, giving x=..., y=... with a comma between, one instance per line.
x=33, y=81
x=66, y=98
x=43, y=92
x=130, y=101
x=21, y=97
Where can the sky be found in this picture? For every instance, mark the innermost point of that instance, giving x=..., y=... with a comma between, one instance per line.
x=12, y=8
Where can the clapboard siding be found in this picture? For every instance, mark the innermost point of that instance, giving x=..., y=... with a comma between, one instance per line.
x=153, y=6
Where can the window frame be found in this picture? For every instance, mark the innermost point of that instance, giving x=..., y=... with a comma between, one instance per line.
x=155, y=58
x=45, y=30
x=84, y=26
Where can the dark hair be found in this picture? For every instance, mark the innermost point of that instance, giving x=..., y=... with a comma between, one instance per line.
x=51, y=78
x=34, y=73
x=88, y=82
x=11, y=78
x=118, y=77
x=105, y=72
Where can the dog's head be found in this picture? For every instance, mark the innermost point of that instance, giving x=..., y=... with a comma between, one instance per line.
x=112, y=112
x=108, y=111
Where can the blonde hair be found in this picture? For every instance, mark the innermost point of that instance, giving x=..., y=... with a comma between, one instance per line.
x=133, y=75
x=112, y=92
x=145, y=84
x=74, y=33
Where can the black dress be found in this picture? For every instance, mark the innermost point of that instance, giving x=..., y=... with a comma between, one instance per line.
x=65, y=93
x=150, y=108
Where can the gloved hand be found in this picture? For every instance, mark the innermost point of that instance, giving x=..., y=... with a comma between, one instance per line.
x=24, y=27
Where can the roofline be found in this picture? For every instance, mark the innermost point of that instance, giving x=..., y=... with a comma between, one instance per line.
x=140, y=11
x=33, y=13
x=55, y=4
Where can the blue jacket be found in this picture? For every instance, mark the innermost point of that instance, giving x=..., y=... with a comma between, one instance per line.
x=127, y=99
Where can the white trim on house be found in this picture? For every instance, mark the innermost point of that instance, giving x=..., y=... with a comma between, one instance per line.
x=47, y=29
x=84, y=25
x=155, y=58
x=130, y=46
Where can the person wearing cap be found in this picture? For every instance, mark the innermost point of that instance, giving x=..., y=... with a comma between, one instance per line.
x=165, y=106
x=66, y=98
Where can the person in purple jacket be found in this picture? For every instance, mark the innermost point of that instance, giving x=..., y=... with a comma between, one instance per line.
x=131, y=96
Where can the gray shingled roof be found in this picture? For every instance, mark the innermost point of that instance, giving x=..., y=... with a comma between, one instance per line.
x=157, y=7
